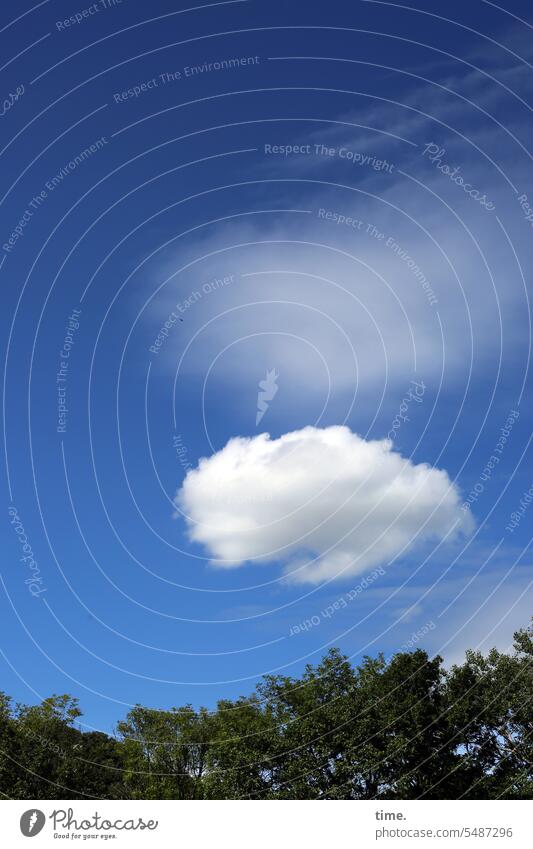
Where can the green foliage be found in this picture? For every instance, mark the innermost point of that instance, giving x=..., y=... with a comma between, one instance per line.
x=165, y=752
x=403, y=728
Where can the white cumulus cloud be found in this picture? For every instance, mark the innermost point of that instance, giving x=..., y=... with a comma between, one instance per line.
x=322, y=502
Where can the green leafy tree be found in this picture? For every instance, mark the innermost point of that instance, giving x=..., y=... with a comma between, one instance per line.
x=241, y=757
x=403, y=728
x=491, y=706
x=165, y=752
x=8, y=747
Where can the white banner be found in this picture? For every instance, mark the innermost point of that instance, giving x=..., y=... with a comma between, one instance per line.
x=262, y=825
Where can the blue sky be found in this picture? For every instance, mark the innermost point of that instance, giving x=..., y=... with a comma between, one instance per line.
x=193, y=199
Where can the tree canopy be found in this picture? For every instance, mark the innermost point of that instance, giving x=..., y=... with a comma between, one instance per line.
x=397, y=728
